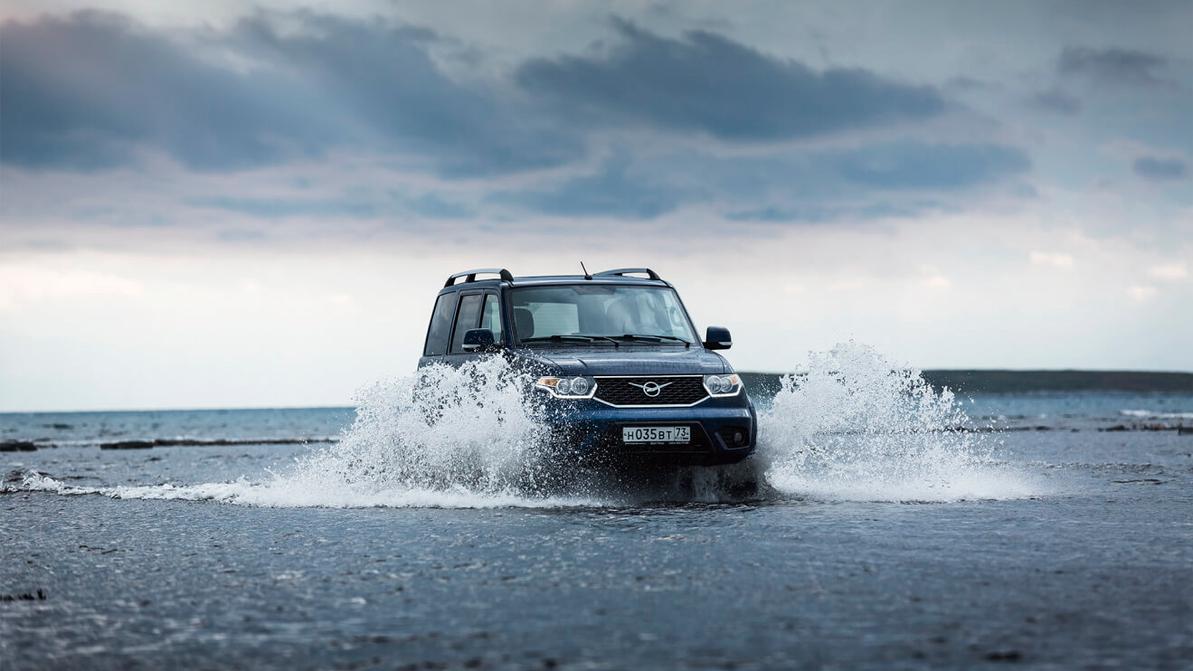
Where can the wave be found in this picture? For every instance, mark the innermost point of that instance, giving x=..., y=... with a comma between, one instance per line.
x=292, y=493
x=1155, y=414
x=214, y=442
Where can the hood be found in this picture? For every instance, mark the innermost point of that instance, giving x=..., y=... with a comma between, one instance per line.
x=626, y=361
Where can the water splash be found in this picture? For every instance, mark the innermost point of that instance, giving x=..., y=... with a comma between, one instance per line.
x=451, y=437
x=469, y=427
x=465, y=437
x=854, y=426
x=850, y=426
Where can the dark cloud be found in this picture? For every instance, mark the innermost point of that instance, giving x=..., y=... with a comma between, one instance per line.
x=1057, y=101
x=282, y=208
x=930, y=166
x=707, y=82
x=433, y=206
x=86, y=90
x=90, y=89
x=614, y=191
x=384, y=78
x=871, y=182
x=1112, y=65
x=1160, y=169
x=828, y=213
x=965, y=83
x=94, y=90
x=351, y=206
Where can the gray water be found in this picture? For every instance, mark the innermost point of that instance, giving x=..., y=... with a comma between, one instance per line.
x=864, y=544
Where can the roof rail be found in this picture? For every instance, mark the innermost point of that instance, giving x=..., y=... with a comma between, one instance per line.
x=622, y=272
x=470, y=275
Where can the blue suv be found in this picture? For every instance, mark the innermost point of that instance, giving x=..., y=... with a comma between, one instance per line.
x=615, y=353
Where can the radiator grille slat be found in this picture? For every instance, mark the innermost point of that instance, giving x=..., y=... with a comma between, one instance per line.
x=685, y=390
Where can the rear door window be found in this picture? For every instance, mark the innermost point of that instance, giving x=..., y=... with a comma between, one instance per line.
x=468, y=317
x=441, y=325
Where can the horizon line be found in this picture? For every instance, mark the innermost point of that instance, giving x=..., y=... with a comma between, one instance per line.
x=928, y=371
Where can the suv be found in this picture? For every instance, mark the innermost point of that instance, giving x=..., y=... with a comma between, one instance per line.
x=615, y=353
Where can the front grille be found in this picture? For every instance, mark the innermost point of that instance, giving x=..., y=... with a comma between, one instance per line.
x=685, y=390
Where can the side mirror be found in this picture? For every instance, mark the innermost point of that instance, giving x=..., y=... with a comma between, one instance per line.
x=479, y=340
x=717, y=337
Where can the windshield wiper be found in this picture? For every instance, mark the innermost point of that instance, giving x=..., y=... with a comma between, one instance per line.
x=601, y=337
x=652, y=337
x=570, y=337
x=558, y=338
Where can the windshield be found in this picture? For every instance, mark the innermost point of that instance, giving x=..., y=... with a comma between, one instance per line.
x=592, y=312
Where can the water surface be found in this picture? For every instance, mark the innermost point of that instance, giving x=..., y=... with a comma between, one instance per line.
x=877, y=536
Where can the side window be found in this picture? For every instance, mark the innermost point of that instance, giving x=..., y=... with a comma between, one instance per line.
x=441, y=325
x=468, y=317
x=491, y=316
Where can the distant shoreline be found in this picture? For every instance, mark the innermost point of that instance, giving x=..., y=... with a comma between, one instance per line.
x=1029, y=381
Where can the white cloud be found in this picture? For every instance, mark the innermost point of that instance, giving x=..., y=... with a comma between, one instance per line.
x=30, y=284
x=934, y=279
x=1053, y=259
x=1171, y=272
x=1141, y=293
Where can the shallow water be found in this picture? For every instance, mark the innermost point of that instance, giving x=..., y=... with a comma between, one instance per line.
x=876, y=536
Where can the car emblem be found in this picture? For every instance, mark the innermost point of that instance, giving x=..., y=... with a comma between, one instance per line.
x=651, y=388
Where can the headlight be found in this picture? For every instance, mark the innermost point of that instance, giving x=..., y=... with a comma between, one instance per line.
x=562, y=387
x=579, y=386
x=723, y=385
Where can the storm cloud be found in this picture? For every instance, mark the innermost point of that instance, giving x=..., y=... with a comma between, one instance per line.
x=920, y=166
x=1112, y=65
x=709, y=83
x=614, y=191
x=89, y=90
x=881, y=180
x=86, y=90
x=92, y=91
x=1160, y=169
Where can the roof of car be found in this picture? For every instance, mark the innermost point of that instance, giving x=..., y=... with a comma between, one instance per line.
x=548, y=280
x=573, y=279
x=620, y=276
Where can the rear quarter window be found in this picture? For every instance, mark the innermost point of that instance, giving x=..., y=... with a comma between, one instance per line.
x=441, y=325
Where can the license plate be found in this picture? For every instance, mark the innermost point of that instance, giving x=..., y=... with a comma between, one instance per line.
x=656, y=434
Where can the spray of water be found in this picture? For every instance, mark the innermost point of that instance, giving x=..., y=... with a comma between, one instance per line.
x=460, y=437
x=848, y=426
x=854, y=426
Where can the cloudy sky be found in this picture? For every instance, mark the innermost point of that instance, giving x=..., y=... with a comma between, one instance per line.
x=210, y=205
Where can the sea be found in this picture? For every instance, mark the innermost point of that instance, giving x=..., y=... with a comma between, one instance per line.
x=891, y=518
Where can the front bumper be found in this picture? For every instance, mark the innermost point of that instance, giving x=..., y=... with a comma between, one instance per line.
x=723, y=431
